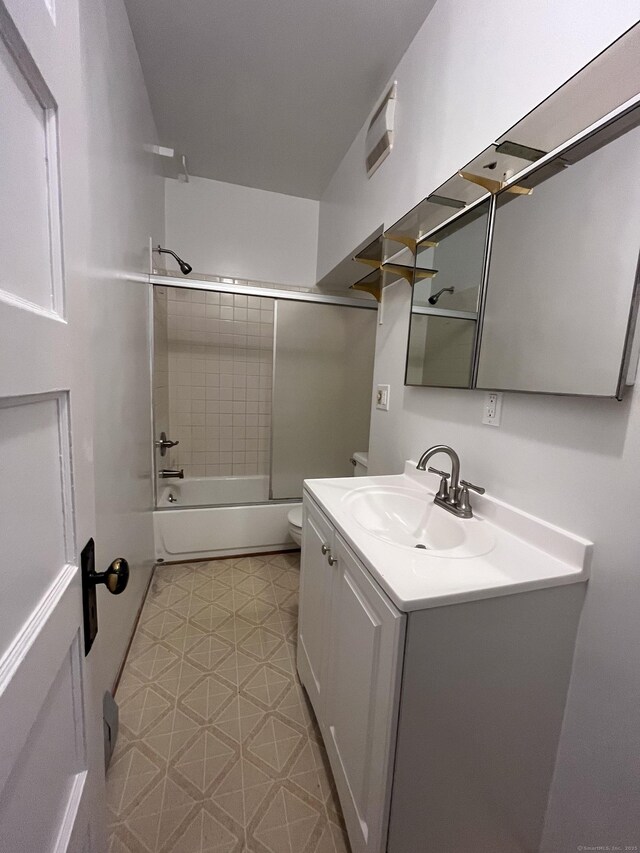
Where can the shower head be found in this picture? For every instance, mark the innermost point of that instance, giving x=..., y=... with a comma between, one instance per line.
x=433, y=299
x=185, y=268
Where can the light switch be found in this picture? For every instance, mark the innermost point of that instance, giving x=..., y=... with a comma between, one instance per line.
x=382, y=397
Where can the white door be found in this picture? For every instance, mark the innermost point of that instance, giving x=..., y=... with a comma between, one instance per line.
x=51, y=764
x=316, y=578
x=366, y=635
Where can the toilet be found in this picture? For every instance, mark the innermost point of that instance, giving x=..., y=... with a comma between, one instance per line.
x=295, y=524
x=360, y=462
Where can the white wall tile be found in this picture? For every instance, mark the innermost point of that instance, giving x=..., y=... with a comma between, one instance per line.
x=215, y=377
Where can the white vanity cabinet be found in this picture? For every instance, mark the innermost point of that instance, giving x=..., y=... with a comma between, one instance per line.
x=441, y=715
x=349, y=659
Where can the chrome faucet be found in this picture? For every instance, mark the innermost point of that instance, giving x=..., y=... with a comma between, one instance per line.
x=164, y=443
x=167, y=473
x=452, y=491
x=453, y=496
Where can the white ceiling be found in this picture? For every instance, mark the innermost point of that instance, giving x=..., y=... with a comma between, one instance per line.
x=269, y=93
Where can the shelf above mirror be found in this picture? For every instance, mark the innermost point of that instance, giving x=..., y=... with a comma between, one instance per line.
x=387, y=274
x=606, y=83
x=603, y=85
x=371, y=255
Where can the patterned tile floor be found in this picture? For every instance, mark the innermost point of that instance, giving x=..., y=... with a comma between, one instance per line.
x=219, y=751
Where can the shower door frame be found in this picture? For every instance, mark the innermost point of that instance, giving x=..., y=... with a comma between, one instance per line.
x=231, y=287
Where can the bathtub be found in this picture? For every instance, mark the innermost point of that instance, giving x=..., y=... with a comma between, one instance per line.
x=208, y=491
x=200, y=532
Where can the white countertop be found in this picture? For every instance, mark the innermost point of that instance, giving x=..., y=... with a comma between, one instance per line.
x=528, y=554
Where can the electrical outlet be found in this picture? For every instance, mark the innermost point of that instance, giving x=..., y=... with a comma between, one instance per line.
x=492, y=408
x=382, y=397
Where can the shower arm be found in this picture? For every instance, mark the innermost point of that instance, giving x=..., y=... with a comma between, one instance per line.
x=434, y=298
x=185, y=268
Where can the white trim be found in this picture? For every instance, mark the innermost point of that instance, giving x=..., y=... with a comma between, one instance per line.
x=71, y=826
x=66, y=475
x=61, y=398
x=28, y=68
x=26, y=305
x=41, y=646
x=533, y=167
x=56, y=253
x=22, y=644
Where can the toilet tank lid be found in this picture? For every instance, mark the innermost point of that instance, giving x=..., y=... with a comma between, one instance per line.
x=361, y=457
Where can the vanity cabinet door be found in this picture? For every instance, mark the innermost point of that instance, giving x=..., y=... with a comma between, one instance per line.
x=362, y=685
x=316, y=576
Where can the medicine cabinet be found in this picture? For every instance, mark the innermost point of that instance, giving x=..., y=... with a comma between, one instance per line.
x=525, y=263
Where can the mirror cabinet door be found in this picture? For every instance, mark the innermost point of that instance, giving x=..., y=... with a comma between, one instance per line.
x=444, y=306
x=562, y=272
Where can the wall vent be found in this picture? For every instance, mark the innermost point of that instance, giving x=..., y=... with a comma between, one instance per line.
x=380, y=132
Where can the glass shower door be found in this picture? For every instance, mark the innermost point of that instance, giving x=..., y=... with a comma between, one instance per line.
x=322, y=380
x=215, y=359
x=213, y=366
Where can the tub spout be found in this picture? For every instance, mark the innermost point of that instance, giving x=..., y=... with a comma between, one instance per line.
x=167, y=473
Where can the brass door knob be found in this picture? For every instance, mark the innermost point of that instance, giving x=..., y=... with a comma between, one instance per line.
x=115, y=578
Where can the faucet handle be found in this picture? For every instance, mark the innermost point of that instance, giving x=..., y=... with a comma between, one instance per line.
x=439, y=473
x=443, y=491
x=464, y=504
x=467, y=485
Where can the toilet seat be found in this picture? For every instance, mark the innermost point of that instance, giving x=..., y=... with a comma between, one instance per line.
x=294, y=517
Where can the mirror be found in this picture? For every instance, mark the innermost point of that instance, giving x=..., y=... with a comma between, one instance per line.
x=444, y=306
x=562, y=273
x=526, y=260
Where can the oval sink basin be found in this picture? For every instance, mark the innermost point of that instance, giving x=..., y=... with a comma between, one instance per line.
x=410, y=519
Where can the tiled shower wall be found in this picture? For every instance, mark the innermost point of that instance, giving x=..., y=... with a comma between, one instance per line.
x=220, y=373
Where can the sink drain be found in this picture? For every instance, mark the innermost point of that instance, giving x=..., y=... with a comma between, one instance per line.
x=421, y=546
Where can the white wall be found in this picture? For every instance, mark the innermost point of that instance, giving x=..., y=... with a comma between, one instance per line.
x=126, y=203
x=226, y=229
x=472, y=71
